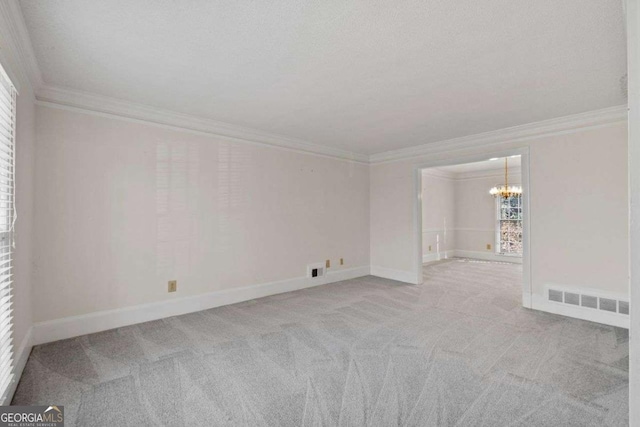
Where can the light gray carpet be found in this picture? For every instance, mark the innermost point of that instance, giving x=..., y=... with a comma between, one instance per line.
x=458, y=350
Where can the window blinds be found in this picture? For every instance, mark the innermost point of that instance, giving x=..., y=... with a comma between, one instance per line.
x=7, y=215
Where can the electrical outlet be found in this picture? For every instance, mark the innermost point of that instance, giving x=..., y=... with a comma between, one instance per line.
x=173, y=285
x=341, y=261
x=327, y=263
x=429, y=248
x=316, y=270
x=488, y=246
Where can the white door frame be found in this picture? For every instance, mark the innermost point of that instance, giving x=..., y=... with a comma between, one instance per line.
x=633, y=73
x=526, y=222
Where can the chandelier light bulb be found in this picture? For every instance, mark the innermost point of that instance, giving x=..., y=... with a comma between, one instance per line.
x=506, y=191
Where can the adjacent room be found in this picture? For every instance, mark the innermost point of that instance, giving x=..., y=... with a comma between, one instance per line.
x=473, y=210
x=320, y=213
x=473, y=223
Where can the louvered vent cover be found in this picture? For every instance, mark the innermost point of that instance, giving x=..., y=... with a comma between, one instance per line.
x=589, y=301
x=623, y=307
x=555, y=295
x=607, y=304
x=571, y=298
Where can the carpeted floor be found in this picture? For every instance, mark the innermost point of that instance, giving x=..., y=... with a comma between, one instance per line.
x=458, y=350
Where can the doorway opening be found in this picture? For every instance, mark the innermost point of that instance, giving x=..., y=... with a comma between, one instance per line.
x=474, y=222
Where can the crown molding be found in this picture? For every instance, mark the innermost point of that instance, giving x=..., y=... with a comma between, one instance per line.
x=16, y=47
x=16, y=39
x=470, y=175
x=488, y=173
x=57, y=97
x=557, y=126
x=439, y=173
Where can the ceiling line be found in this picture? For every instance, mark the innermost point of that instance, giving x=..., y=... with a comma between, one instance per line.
x=65, y=98
x=19, y=41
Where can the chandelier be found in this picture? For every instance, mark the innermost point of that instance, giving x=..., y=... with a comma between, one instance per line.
x=505, y=191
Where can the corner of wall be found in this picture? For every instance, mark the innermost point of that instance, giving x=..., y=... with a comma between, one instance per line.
x=19, y=62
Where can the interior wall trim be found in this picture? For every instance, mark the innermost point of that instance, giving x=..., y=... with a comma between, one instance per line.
x=434, y=256
x=441, y=230
x=514, y=175
x=558, y=126
x=439, y=173
x=16, y=39
x=397, y=275
x=468, y=176
x=457, y=253
x=539, y=302
x=19, y=41
x=486, y=256
x=56, y=97
x=74, y=326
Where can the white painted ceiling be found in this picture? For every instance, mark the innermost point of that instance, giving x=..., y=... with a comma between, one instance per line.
x=487, y=165
x=364, y=76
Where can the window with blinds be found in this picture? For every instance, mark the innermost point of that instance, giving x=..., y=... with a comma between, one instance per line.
x=7, y=216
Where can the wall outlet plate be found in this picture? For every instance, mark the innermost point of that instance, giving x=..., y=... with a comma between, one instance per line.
x=316, y=270
x=488, y=246
x=327, y=263
x=173, y=286
x=341, y=261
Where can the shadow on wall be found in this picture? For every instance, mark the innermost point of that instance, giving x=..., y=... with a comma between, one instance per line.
x=233, y=199
x=177, y=170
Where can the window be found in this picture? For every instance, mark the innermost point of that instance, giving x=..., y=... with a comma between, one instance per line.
x=7, y=215
x=509, y=225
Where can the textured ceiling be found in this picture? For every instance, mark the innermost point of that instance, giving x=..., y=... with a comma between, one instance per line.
x=365, y=76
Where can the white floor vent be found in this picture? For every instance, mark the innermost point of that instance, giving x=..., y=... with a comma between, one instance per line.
x=589, y=301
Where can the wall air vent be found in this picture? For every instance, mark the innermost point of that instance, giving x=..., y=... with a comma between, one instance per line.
x=589, y=301
x=555, y=295
x=623, y=307
x=571, y=298
x=608, y=304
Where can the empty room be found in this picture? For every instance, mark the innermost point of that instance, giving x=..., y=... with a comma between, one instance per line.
x=473, y=236
x=319, y=213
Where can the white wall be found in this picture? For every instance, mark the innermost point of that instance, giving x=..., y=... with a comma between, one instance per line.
x=123, y=207
x=438, y=216
x=579, y=240
x=580, y=218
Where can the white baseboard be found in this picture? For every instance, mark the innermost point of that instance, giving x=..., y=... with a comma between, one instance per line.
x=526, y=299
x=74, y=326
x=399, y=275
x=430, y=257
x=486, y=256
x=539, y=302
x=21, y=356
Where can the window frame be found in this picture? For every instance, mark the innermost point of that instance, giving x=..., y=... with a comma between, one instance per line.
x=7, y=233
x=498, y=227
